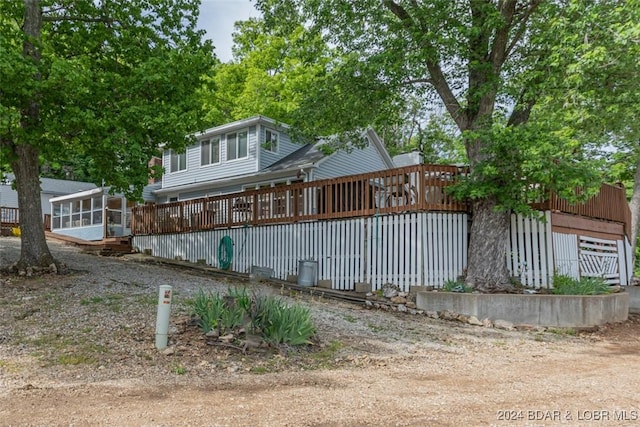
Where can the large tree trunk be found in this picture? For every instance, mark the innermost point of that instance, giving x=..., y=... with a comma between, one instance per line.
x=25, y=162
x=487, y=266
x=634, y=205
x=34, y=249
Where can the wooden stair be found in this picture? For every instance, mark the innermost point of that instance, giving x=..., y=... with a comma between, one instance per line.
x=111, y=246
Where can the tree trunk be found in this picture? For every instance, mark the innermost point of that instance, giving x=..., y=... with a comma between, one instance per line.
x=25, y=163
x=634, y=206
x=487, y=266
x=34, y=249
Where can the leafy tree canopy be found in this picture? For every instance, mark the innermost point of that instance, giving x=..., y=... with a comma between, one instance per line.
x=105, y=81
x=111, y=80
x=488, y=63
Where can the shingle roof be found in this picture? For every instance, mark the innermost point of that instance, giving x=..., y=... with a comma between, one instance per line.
x=58, y=187
x=307, y=154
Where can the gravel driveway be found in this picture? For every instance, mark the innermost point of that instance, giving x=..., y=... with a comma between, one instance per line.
x=78, y=349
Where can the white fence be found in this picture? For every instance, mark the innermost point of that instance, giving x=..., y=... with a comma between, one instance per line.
x=536, y=253
x=530, y=250
x=405, y=249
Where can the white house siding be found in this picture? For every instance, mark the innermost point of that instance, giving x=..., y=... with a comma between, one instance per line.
x=8, y=197
x=285, y=147
x=357, y=161
x=225, y=169
x=188, y=195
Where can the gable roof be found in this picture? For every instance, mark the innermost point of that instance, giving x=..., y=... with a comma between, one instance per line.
x=311, y=154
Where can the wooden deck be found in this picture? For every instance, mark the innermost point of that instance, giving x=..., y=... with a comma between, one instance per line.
x=417, y=188
x=111, y=246
x=420, y=188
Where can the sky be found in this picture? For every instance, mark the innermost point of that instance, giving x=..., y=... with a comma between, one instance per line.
x=217, y=18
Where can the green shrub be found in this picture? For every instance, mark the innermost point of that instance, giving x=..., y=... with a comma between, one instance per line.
x=565, y=285
x=241, y=297
x=283, y=324
x=231, y=317
x=208, y=307
x=271, y=317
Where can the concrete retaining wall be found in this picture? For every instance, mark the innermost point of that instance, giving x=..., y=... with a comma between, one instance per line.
x=634, y=298
x=567, y=311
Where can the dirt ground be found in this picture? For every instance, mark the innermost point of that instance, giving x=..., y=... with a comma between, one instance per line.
x=368, y=367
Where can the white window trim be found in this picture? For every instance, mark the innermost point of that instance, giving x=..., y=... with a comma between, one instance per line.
x=220, y=139
x=186, y=162
x=277, y=134
x=226, y=142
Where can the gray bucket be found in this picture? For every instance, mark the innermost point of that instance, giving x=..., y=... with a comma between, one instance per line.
x=308, y=273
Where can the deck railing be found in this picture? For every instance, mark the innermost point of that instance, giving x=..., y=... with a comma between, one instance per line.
x=10, y=218
x=609, y=204
x=412, y=188
x=416, y=188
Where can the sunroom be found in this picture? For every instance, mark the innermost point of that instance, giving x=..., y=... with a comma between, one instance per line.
x=91, y=215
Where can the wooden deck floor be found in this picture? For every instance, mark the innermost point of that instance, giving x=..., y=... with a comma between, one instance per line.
x=110, y=246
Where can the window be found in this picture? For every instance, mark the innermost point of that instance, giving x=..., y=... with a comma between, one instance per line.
x=210, y=151
x=237, y=145
x=77, y=213
x=178, y=161
x=271, y=141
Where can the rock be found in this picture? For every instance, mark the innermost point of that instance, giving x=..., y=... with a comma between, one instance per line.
x=487, y=323
x=389, y=290
x=525, y=327
x=462, y=318
x=227, y=338
x=403, y=294
x=399, y=300
x=368, y=303
x=168, y=351
x=369, y=294
x=447, y=315
x=473, y=320
x=503, y=324
x=410, y=304
x=214, y=333
x=433, y=314
x=402, y=308
x=53, y=268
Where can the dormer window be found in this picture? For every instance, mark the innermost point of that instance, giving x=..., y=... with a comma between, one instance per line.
x=271, y=141
x=210, y=151
x=178, y=161
x=237, y=146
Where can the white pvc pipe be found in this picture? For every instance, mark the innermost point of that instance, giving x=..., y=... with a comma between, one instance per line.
x=162, y=322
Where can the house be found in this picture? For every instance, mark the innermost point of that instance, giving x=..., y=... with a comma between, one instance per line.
x=257, y=153
x=49, y=187
x=244, y=155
